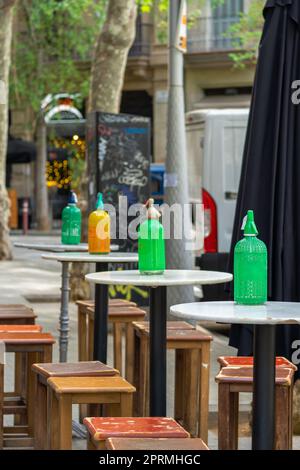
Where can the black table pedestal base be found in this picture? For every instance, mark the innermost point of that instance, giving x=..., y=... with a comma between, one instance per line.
x=101, y=318
x=158, y=356
x=264, y=388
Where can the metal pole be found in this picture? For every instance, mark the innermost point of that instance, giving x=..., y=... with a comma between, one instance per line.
x=264, y=388
x=176, y=181
x=64, y=313
x=158, y=355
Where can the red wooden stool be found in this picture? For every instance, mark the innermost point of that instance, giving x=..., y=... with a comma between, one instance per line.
x=192, y=348
x=43, y=372
x=243, y=361
x=100, y=429
x=234, y=380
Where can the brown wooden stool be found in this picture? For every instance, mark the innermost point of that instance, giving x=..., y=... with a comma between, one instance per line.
x=38, y=348
x=234, y=380
x=121, y=314
x=121, y=318
x=131, y=444
x=115, y=392
x=100, y=429
x=192, y=363
x=17, y=314
x=45, y=371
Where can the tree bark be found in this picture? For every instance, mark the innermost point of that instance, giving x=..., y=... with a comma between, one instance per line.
x=107, y=78
x=113, y=44
x=6, y=21
x=42, y=205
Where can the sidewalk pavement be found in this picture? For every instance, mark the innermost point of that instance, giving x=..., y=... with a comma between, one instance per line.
x=28, y=277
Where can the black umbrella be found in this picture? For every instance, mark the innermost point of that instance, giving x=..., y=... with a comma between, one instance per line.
x=270, y=178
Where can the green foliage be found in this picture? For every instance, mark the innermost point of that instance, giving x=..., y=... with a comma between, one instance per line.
x=246, y=34
x=52, y=39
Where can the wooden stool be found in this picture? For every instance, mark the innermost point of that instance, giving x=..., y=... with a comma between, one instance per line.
x=247, y=361
x=17, y=314
x=121, y=318
x=192, y=349
x=45, y=371
x=100, y=429
x=121, y=314
x=234, y=380
x=131, y=444
x=115, y=392
x=38, y=348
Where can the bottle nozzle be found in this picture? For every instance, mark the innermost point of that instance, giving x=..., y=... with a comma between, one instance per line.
x=250, y=228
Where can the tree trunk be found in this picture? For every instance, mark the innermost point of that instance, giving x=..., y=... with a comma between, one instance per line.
x=108, y=70
x=42, y=206
x=6, y=21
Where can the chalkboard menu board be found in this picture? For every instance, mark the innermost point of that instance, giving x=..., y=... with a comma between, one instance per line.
x=118, y=148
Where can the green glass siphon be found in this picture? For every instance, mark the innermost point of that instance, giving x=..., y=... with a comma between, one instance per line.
x=151, y=243
x=71, y=222
x=250, y=266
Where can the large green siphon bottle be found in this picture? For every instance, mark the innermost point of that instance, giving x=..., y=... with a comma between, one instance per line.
x=151, y=243
x=71, y=222
x=250, y=266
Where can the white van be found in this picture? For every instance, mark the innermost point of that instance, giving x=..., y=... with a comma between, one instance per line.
x=215, y=144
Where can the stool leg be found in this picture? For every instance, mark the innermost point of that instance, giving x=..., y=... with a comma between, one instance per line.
x=204, y=391
x=53, y=420
x=82, y=335
x=228, y=403
x=20, y=381
x=144, y=377
x=282, y=411
x=136, y=375
x=129, y=359
x=40, y=415
x=65, y=422
x=126, y=404
x=191, y=389
x=32, y=357
x=179, y=385
x=1, y=403
x=117, y=327
x=90, y=339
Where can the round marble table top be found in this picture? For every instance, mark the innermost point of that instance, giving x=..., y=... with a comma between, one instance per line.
x=58, y=247
x=171, y=277
x=116, y=257
x=270, y=313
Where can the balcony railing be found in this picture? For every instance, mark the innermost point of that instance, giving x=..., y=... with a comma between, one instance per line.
x=211, y=34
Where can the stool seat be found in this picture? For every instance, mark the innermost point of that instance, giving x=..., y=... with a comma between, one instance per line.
x=184, y=335
x=135, y=443
x=129, y=312
x=27, y=338
x=14, y=308
x=103, y=428
x=243, y=361
x=239, y=375
x=171, y=325
x=111, y=303
x=21, y=328
x=89, y=385
x=76, y=369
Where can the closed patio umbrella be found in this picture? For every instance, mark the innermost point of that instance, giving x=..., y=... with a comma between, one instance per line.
x=270, y=177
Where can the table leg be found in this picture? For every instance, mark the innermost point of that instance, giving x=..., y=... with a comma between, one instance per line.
x=64, y=313
x=263, y=430
x=158, y=354
x=101, y=318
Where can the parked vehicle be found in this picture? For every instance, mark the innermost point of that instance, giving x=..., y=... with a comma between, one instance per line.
x=215, y=143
